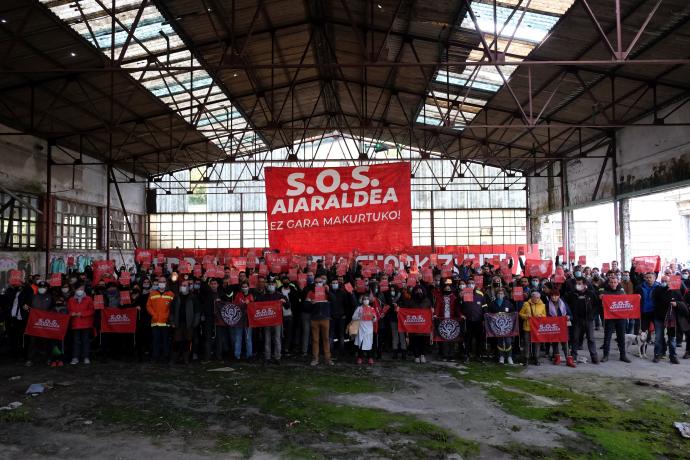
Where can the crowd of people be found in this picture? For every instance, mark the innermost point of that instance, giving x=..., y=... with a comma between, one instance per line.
x=180, y=318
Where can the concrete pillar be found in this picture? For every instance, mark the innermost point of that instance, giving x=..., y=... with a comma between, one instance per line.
x=571, y=232
x=623, y=229
x=535, y=230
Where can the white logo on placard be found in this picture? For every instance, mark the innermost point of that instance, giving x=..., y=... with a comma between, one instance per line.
x=47, y=323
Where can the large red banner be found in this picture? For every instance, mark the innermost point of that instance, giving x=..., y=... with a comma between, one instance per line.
x=415, y=320
x=621, y=306
x=264, y=314
x=47, y=324
x=119, y=320
x=547, y=329
x=337, y=209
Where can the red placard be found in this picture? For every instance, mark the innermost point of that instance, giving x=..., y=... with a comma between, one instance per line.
x=47, y=324
x=302, y=280
x=319, y=293
x=125, y=298
x=70, y=261
x=263, y=269
x=98, y=302
x=55, y=279
x=468, y=295
x=125, y=278
x=414, y=320
x=621, y=306
x=605, y=267
x=234, y=277
x=197, y=271
x=360, y=285
x=645, y=264
x=292, y=274
x=142, y=255
x=561, y=251
x=411, y=280
x=571, y=256
x=310, y=210
x=239, y=263
x=427, y=275
x=479, y=281
x=158, y=270
x=102, y=267
x=433, y=259
x=548, y=329
x=541, y=268
x=348, y=288
x=384, y=286
x=265, y=314
x=253, y=279
x=521, y=251
x=582, y=260
x=518, y=293
x=559, y=278
x=674, y=282
x=184, y=267
x=119, y=320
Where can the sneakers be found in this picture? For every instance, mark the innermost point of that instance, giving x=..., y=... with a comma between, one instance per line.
x=510, y=360
x=370, y=361
x=422, y=359
x=674, y=360
x=314, y=363
x=87, y=361
x=417, y=360
x=557, y=359
x=501, y=360
x=330, y=363
x=29, y=363
x=570, y=362
x=359, y=360
x=74, y=361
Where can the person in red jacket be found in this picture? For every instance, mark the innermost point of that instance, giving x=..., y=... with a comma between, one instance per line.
x=80, y=308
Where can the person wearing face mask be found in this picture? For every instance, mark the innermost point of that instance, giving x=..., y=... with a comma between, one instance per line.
x=158, y=306
x=80, y=308
x=582, y=302
x=366, y=315
x=272, y=334
x=446, y=306
x=612, y=286
x=185, y=318
x=668, y=304
x=289, y=291
x=242, y=330
x=473, y=312
x=378, y=302
x=534, y=307
x=504, y=345
x=398, y=338
x=320, y=323
x=647, y=302
x=305, y=314
x=143, y=332
x=341, y=301
x=417, y=299
x=42, y=300
x=557, y=308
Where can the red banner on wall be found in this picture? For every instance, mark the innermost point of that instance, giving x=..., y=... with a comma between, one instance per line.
x=119, y=320
x=264, y=314
x=337, y=209
x=620, y=306
x=47, y=324
x=547, y=329
x=414, y=320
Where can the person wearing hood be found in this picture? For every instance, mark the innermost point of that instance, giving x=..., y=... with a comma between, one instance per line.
x=557, y=308
x=534, y=307
x=501, y=304
x=185, y=318
x=80, y=308
x=417, y=299
x=668, y=303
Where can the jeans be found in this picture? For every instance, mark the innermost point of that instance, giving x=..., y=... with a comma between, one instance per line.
x=81, y=344
x=398, y=338
x=305, y=321
x=633, y=326
x=505, y=346
x=619, y=326
x=161, y=342
x=237, y=334
x=660, y=341
x=584, y=328
x=319, y=330
x=222, y=341
x=275, y=333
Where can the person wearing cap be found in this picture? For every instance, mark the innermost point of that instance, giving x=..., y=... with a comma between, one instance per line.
x=534, y=307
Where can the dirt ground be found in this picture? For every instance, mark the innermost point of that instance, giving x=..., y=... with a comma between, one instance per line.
x=127, y=410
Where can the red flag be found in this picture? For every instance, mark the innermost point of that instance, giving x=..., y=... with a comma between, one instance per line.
x=318, y=210
x=125, y=298
x=541, y=268
x=47, y=324
x=548, y=329
x=55, y=279
x=265, y=314
x=674, y=282
x=119, y=320
x=621, y=306
x=414, y=320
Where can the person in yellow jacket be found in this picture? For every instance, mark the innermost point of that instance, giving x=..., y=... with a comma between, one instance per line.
x=533, y=307
x=158, y=306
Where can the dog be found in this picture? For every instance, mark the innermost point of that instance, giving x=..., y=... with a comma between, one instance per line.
x=639, y=342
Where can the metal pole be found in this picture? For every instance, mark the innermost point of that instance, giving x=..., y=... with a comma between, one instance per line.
x=565, y=217
x=107, y=213
x=124, y=209
x=47, y=217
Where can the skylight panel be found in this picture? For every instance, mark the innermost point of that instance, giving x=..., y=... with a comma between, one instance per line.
x=533, y=27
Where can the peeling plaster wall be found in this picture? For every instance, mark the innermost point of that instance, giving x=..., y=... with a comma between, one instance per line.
x=649, y=159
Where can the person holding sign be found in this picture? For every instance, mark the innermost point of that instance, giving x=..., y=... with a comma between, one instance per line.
x=266, y=291
x=317, y=303
x=669, y=303
x=501, y=304
x=557, y=307
x=364, y=340
x=612, y=286
x=534, y=307
x=582, y=303
x=80, y=308
x=647, y=305
x=43, y=300
x=416, y=298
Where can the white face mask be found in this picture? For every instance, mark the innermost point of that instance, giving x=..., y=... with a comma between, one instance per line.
x=271, y=288
x=245, y=290
x=42, y=290
x=184, y=290
x=79, y=293
x=65, y=290
x=161, y=286
x=580, y=287
x=365, y=302
x=334, y=285
x=286, y=292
